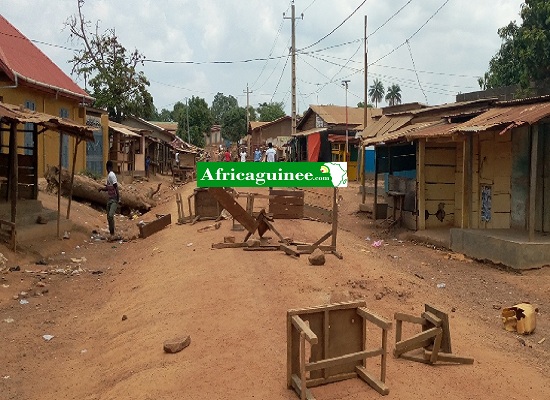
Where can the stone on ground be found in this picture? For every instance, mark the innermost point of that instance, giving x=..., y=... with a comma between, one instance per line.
x=317, y=257
x=178, y=344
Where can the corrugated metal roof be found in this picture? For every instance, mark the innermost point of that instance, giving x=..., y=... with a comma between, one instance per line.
x=404, y=132
x=21, y=59
x=10, y=112
x=336, y=115
x=511, y=116
x=385, y=126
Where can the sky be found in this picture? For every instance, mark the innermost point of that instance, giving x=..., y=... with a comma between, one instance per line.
x=433, y=49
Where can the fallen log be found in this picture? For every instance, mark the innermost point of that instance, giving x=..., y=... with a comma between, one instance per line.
x=86, y=188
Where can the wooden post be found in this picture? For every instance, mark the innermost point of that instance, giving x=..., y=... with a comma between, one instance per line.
x=334, y=218
x=421, y=177
x=363, y=168
x=59, y=184
x=467, y=174
x=14, y=178
x=533, y=180
x=77, y=142
x=384, y=358
x=35, y=161
x=375, y=203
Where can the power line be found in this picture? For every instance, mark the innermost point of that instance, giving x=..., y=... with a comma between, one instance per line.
x=334, y=30
x=281, y=77
x=416, y=73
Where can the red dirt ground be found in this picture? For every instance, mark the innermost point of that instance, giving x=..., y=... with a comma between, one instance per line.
x=233, y=303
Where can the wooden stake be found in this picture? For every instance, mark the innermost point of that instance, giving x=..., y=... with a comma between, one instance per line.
x=14, y=179
x=77, y=142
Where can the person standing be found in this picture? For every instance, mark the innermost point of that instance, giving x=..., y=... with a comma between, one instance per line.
x=111, y=187
x=147, y=165
x=270, y=153
x=243, y=155
x=257, y=155
x=227, y=155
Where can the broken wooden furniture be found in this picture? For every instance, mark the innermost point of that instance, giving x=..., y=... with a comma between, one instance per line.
x=434, y=340
x=181, y=214
x=328, y=343
x=207, y=207
x=146, y=229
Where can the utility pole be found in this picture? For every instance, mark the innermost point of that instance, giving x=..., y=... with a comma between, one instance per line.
x=366, y=120
x=293, y=59
x=187, y=111
x=345, y=84
x=248, y=113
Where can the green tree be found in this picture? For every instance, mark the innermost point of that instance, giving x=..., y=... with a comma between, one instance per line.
x=376, y=92
x=524, y=54
x=234, y=124
x=271, y=111
x=393, y=95
x=200, y=120
x=221, y=105
x=251, y=114
x=361, y=104
x=164, y=116
x=109, y=69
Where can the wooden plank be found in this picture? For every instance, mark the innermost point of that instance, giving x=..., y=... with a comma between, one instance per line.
x=234, y=208
x=451, y=358
x=302, y=327
x=409, y=318
x=331, y=379
x=441, y=156
x=289, y=250
x=375, y=319
x=431, y=318
x=147, y=229
x=372, y=381
x=421, y=192
x=262, y=248
x=417, y=341
x=229, y=245
x=308, y=249
x=440, y=191
x=327, y=307
x=342, y=360
x=446, y=340
x=297, y=386
x=282, y=192
x=437, y=174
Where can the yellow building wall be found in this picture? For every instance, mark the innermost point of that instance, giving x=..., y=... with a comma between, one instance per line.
x=48, y=142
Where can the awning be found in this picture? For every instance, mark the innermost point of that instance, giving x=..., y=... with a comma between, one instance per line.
x=384, y=126
x=122, y=129
x=13, y=113
x=309, y=132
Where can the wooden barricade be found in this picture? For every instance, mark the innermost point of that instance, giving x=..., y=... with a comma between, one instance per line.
x=336, y=335
x=286, y=204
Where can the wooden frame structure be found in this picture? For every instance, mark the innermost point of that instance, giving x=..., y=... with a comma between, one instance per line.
x=337, y=336
x=435, y=338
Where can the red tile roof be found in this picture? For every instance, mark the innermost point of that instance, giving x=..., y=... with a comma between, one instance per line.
x=21, y=60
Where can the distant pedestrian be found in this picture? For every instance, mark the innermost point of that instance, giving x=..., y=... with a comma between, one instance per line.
x=111, y=187
x=270, y=153
x=227, y=155
x=243, y=155
x=257, y=155
x=147, y=165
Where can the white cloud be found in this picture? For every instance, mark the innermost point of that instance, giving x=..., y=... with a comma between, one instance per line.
x=459, y=40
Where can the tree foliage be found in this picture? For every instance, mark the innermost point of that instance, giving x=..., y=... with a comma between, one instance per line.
x=376, y=92
x=221, y=105
x=234, y=124
x=524, y=54
x=109, y=69
x=200, y=120
x=271, y=111
x=393, y=95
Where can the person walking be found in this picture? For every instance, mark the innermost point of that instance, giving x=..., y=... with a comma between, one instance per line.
x=270, y=153
x=111, y=187
x=257, y=155
x=243, y=155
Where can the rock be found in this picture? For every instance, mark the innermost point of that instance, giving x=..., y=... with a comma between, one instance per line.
x=379, y=296
x=362, y=286
x=317, y=257
x=124, y=317
x=177, y=345
x=253, y=243
x=40, y=284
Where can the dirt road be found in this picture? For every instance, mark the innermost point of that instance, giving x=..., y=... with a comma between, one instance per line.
x=233, y=305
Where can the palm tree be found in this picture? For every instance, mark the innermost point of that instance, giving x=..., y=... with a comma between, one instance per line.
x=393, y=95
x=376, y=92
